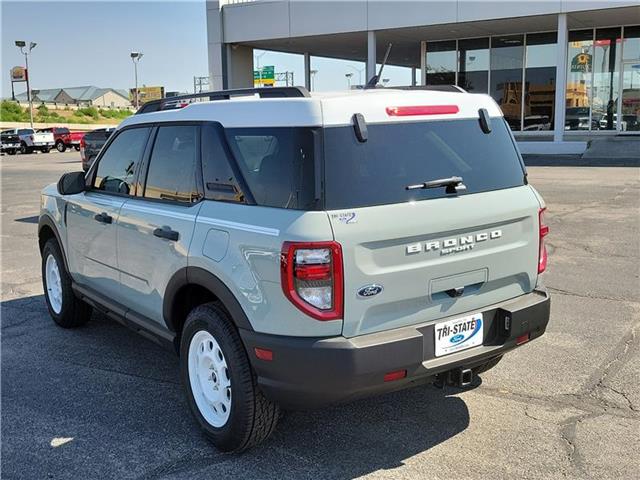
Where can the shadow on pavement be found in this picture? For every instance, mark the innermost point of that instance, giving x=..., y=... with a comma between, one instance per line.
x=33, y=219
x=119, y=395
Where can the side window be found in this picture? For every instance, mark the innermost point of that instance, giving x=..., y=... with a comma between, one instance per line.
x=116, y=172
x=172, y=168
x=220, y=183
x=277, y=164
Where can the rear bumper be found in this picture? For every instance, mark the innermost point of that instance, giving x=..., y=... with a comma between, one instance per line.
x=313, y=372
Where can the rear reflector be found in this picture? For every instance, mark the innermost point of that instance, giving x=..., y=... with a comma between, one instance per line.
x=422, y=110
x=263, y=354
x=397, y=375
x=522, y=339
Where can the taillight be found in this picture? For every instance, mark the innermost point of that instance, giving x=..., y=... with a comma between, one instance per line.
x=312, y=278
x=422, y=110
x=82, y=147
x=543, y=232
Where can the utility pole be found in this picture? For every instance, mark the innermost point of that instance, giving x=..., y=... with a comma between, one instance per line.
x=21, y=44
x=135, y=58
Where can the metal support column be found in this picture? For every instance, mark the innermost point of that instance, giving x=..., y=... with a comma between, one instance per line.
x=561, y=78
x=371, y=54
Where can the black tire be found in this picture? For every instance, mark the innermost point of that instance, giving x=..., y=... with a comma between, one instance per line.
x=24, y=149
x=11, y=152
x=487, y=366
x=252, y=417
x=77, y=147
x=60, y=146
x=74, y=312
x=45, y=149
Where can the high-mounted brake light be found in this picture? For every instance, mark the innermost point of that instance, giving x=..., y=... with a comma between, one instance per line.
x=422, y=110
x=543, y=232
x=312, y=279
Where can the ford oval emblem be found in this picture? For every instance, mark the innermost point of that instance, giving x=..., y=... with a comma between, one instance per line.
x=369, y=291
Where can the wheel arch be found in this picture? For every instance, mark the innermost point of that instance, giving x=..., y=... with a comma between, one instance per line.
x=46, y=230
x=191, y=286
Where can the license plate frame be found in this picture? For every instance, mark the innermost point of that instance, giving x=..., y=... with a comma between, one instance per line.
x=458, y=334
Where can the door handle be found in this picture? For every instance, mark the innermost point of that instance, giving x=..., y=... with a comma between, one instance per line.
x=166, y=232
x=103, y=218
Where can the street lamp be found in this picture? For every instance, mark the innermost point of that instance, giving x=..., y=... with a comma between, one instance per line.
x=359, y=71
x=135, y=58
x=313, y=74
x=21, y=44
x=348, y=75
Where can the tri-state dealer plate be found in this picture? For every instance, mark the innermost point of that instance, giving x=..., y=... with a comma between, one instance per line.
x=458, y=334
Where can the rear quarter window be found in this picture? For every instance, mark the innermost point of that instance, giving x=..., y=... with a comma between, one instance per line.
x=277, y=164
x=396, y=155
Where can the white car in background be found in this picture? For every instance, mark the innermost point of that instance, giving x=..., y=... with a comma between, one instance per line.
x=31, y=140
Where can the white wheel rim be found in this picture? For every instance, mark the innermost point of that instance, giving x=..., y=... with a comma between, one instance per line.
x=209, y=378
x=54, y=284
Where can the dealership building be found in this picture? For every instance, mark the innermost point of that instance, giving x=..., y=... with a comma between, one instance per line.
x=563, y=71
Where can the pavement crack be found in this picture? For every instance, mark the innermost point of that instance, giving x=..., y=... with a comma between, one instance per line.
x=562, y=291
x=120, y=372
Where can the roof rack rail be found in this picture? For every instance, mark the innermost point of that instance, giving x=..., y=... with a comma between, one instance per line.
x=179, y=101
x=439, y=88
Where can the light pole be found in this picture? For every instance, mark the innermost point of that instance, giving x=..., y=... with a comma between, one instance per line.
x=359, y=71
x=348, y=76
x=257, y=62
x=313, y=74
x=135, y=58
x=21, y=44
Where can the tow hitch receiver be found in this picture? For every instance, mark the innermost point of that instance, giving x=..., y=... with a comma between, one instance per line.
x=458, y=377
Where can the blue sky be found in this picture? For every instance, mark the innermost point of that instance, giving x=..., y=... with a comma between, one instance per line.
x=88, y=43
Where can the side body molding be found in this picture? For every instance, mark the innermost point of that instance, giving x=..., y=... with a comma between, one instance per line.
x=203, y=278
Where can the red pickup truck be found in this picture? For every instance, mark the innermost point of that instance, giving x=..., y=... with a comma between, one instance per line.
x=64, y=138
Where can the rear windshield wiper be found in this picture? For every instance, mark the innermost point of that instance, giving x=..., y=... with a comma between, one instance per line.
x=452, y=184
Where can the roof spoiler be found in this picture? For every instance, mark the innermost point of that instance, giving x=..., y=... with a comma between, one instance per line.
x=179, y=101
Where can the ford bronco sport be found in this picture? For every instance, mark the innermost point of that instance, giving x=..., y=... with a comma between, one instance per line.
x=300, y=250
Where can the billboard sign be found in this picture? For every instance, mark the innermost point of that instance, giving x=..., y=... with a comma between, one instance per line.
x=265, y=76
x=581, y=63
x=147, y=94
x=18, y=74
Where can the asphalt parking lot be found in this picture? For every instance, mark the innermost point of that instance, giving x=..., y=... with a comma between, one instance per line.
x=103, y=402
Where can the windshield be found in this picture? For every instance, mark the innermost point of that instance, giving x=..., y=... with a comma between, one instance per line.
x=378, y=171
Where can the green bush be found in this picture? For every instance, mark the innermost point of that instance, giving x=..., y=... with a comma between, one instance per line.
x=89, y=112
x=43, y=110
x=116, y=114
x=12, y=112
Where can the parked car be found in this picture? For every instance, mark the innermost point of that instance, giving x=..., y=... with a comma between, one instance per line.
x=306, y=249
x=31, y=140
x=10, y=142
x=629, y=122
x=64, y=138
x=91, y=143
x=577, y=118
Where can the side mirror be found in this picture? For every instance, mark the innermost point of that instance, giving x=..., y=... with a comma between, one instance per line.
x=71, y=183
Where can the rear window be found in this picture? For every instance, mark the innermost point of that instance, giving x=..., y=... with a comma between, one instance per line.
x=277, y=164
x=378, y=171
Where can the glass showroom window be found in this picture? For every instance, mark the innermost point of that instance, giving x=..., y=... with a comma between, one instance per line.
x=507, y=54
x=580, y=64
x=630, y=105
x=606, y=79
x=540, y=81
x=441, y=63
x=473, y=67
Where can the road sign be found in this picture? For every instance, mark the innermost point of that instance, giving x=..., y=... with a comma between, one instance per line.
x=264, y=76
